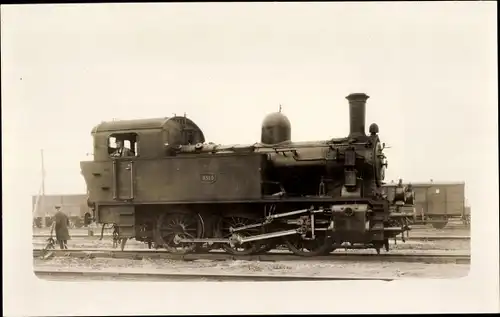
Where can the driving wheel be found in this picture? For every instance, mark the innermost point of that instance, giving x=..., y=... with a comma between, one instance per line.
x=172, y=227
x=320, y=246
x=234, y=222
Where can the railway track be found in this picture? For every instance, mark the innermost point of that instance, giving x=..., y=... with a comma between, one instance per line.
x=167, y=276
x=270, y=256
x=411, y=238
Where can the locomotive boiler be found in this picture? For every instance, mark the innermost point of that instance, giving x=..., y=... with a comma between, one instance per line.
x=174, y=190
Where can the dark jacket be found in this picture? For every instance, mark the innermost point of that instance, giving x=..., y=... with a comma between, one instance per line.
x=123, y=152
x=61, y=226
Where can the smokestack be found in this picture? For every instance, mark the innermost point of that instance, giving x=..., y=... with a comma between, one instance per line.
x=357, y=113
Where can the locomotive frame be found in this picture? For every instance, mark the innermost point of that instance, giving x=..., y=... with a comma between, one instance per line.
x=184, y=195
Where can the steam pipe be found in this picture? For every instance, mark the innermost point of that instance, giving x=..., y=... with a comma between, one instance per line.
x=357, y=114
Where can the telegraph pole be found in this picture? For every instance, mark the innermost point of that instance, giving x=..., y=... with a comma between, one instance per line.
x=43, y=213
x=43, y=174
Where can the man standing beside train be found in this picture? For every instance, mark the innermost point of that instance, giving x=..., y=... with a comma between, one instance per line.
x=61, y=223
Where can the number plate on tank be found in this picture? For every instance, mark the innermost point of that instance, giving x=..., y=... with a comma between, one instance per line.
x=208, y=178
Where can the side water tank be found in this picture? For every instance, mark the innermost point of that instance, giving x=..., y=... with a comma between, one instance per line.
x=276, y=128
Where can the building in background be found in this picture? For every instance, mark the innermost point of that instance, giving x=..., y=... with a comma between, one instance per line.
x=437, y=202
x=75, y=206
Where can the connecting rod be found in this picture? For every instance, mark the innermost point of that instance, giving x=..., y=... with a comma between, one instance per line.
x=276, y=216
x=177, y=239
x=237, y=239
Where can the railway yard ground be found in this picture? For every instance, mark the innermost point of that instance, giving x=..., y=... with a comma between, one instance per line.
x=427, y=253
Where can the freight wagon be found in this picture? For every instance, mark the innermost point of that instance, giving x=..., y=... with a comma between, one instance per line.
x=437, y=202
x=75, y=206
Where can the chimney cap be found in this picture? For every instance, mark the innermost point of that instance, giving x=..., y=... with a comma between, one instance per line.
x=358, y=96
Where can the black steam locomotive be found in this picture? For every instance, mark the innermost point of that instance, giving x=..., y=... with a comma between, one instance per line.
x=158, y=181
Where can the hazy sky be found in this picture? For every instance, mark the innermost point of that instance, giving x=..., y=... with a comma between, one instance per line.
x=429, y=68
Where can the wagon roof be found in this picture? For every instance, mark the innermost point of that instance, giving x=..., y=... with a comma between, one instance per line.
x=137, y=124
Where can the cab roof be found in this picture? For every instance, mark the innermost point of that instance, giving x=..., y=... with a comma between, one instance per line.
x=124, y=125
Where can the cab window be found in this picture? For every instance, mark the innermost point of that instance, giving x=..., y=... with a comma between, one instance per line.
x=123, y=145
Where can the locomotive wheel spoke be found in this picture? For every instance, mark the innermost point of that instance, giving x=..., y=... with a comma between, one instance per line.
x=171, y=227
x=246, y=248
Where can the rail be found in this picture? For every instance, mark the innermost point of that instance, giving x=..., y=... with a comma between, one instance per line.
x=270, y=256
x=410, y=238
x=137, y=275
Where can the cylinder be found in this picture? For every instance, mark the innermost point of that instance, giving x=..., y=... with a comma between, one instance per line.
x=357, y=113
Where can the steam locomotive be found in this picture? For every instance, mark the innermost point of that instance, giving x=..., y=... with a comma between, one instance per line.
x=175, y=191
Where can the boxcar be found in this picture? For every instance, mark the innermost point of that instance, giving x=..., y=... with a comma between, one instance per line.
x=437, y=202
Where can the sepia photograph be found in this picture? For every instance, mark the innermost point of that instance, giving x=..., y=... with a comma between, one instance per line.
x=208, y=146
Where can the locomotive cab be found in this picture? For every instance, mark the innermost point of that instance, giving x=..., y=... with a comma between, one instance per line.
x=119, y=145
x=143, y=137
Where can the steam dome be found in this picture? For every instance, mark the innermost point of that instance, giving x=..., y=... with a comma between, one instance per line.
x=276, y=128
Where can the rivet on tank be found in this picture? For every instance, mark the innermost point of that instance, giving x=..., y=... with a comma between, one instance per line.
x=276, y=129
